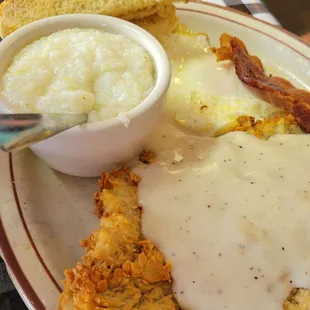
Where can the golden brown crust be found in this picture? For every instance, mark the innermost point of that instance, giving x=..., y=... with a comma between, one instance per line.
x=263, y=129
x=147, y=13
x=108, y=182
x=120, y=270
x=299, y=299
x=249, y=70
x=147, y=157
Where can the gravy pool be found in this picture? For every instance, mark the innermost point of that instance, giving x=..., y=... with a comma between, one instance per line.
x=231, y=214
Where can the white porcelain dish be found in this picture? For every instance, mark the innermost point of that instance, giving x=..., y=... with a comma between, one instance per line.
x=45, y=213
x=87, y=150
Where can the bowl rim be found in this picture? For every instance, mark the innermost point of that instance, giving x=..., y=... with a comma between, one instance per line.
x=154, y=48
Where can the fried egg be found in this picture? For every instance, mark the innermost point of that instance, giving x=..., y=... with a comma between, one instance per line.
x=205, y=95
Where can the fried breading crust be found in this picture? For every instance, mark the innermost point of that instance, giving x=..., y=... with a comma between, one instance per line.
x=250, y=71
x=147, y=157
x=120, y=270
x=262, y=129
x=299, y=299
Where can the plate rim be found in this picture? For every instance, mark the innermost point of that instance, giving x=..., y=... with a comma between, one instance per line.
x=16, y=273
x=23, y=284
x=254, y=19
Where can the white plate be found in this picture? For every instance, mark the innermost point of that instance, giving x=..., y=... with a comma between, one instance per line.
x=44, y=213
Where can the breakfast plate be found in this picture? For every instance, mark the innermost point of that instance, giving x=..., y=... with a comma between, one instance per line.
x=44, y=212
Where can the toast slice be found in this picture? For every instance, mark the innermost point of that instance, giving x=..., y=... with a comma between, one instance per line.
x=157, y=16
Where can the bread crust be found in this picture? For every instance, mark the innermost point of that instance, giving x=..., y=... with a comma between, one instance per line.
x=146, y=13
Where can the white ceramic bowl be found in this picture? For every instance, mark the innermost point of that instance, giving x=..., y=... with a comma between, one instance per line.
x=88, y=150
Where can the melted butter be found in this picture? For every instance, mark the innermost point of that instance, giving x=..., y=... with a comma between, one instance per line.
x=231, y=214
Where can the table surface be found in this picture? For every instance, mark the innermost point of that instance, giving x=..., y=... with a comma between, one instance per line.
x=297, y=22
x=293, y=15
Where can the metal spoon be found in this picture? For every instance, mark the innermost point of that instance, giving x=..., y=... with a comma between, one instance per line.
x=18, y=131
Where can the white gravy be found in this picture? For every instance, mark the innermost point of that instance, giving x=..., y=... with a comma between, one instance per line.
x=232, y=214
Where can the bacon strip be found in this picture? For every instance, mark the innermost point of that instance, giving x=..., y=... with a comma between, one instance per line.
x=250, y=71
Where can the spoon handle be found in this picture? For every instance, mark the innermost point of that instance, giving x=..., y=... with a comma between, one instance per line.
x=12, y=125
x=18, y=131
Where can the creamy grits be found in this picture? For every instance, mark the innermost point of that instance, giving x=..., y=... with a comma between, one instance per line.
x=231, y=214
x=79, y=71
